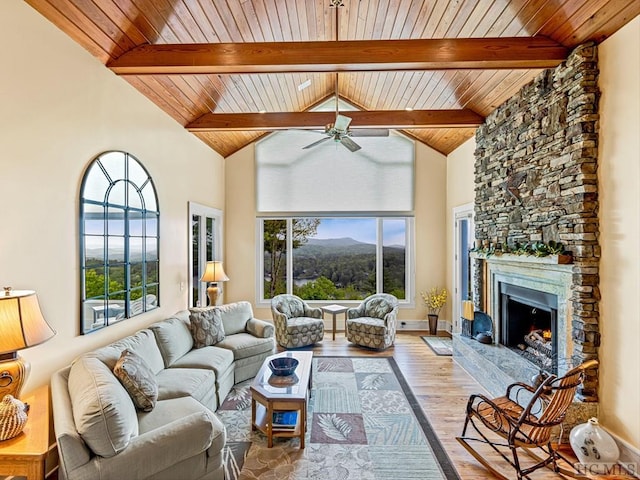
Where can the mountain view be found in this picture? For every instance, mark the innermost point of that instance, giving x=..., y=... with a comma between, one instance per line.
x=342, y=268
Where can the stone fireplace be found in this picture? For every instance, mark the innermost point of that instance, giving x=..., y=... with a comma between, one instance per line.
x=536, y=181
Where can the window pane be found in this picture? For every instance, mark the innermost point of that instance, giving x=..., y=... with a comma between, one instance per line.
x=152, y=249
x=136, y=271
x=151, y=298
x=149, y=195
x=210, y=234
x=334, y=258
x=137, y=175
x=135, y=223
x=135, y=249
x=153, y=272
x=117, y=195
x=394, y=257
x=93, y=219
x=195, y=253
x=94, y=282
x=116, y=279
x=115, y=249
x=93, y=251
x=115, y=221
x=96, y=184
x=275, y=257
x=152, y=225
x=135, y=200
x=114, y=164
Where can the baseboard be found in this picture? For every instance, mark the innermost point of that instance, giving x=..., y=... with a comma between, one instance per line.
x=629, y=456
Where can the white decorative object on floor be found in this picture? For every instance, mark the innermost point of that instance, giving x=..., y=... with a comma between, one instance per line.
x=594, y=447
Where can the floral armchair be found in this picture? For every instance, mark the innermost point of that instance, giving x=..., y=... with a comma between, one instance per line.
x=297, y=324
x=373, y=323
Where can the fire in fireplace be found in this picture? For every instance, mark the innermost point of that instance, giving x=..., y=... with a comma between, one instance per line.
x=528, y=323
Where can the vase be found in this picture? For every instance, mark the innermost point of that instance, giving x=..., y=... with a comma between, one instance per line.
x=594, y=447
x=433, y=324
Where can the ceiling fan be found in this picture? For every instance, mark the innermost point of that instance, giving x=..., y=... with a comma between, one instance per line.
x=339, y=131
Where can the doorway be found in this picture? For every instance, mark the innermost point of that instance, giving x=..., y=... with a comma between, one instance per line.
x=463, y=234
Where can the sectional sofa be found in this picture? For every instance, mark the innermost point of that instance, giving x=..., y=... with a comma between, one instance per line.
x=102, y=435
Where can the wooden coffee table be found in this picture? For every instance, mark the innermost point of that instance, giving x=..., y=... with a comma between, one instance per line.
x=271, y=393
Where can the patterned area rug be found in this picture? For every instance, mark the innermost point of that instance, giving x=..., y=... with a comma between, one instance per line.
x=439, y=345
x=364, y=424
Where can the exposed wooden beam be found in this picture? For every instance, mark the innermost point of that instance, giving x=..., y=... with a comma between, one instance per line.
x=342, y=56
x=399, y=119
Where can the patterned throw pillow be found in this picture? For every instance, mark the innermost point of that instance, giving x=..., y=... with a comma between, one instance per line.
x=138, y=379
x=206, y=326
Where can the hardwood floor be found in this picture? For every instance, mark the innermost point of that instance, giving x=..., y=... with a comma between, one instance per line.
x=442, y=388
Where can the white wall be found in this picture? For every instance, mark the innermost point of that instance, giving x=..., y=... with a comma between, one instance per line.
x=619, y=191
x=60, y=108
x=240, y=222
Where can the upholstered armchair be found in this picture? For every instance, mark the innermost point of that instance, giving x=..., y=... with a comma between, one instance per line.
x=297, y=324
x=373, y=323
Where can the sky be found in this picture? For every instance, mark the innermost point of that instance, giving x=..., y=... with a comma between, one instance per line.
x=362, y=229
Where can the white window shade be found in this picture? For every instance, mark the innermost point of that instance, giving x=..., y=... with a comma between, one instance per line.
x=330, y=178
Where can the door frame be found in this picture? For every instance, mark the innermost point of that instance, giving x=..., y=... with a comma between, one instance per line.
x=462, y=212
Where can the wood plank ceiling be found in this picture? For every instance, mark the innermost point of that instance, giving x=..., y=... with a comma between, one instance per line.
x=416, y=92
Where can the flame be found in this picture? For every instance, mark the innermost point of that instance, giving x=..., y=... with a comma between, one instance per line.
x=546, y=334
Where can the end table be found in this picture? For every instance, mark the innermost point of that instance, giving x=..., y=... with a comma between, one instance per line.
x=26, y=454
x=334, y=310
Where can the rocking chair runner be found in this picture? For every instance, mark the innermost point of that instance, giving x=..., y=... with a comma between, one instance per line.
x=524, y=418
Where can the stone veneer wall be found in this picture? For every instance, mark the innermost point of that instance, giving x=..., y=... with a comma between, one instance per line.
x=535, y=174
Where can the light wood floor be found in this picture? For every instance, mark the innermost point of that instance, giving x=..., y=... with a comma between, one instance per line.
x=442, y=388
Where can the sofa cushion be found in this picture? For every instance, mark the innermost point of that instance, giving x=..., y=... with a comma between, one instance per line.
x=138, y=379
x=213, y=358
x=291, y=306
x=206, y=326
x=367, y=325
x=245, y=345
x=235, y=316
x=142, y=342
x=187, y=382
x=103, y=412
x=173, y=337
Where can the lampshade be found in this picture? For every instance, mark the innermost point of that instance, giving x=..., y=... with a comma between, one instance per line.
x=21, y=322
x=467, y=310
x=214, y=273
x=21, y=326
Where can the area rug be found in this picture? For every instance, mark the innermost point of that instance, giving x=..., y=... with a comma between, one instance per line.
x=364, y=424
x=439, y=345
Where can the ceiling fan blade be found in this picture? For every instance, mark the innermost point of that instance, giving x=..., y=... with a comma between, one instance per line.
x=317, y=142
x=342, y=123
x=350, y=144
x=369, y=132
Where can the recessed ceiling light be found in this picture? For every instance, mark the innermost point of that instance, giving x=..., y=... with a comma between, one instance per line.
x=303, y=85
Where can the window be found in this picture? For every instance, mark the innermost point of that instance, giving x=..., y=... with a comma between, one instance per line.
x=119, y=241
x=336, y=258
x=206, y=245
x=334, y=224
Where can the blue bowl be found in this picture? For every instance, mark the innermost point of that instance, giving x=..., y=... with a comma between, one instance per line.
x=283, y=366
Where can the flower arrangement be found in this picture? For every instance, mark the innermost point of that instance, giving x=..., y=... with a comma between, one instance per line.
x=434, y=299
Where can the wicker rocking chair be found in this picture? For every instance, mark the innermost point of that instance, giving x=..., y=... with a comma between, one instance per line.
x=524, y=418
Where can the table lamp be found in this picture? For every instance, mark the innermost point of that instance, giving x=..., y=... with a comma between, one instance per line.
x=214, y=273
x=21, y=326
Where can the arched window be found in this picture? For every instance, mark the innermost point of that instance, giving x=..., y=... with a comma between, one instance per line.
x=119, y=241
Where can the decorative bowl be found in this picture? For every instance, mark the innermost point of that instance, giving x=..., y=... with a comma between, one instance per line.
x=283, y=366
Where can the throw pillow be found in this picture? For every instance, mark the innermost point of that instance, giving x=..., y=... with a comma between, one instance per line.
x=206, y=326
x=137, y=379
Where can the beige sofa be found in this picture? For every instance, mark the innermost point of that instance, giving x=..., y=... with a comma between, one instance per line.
x=100, y=433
